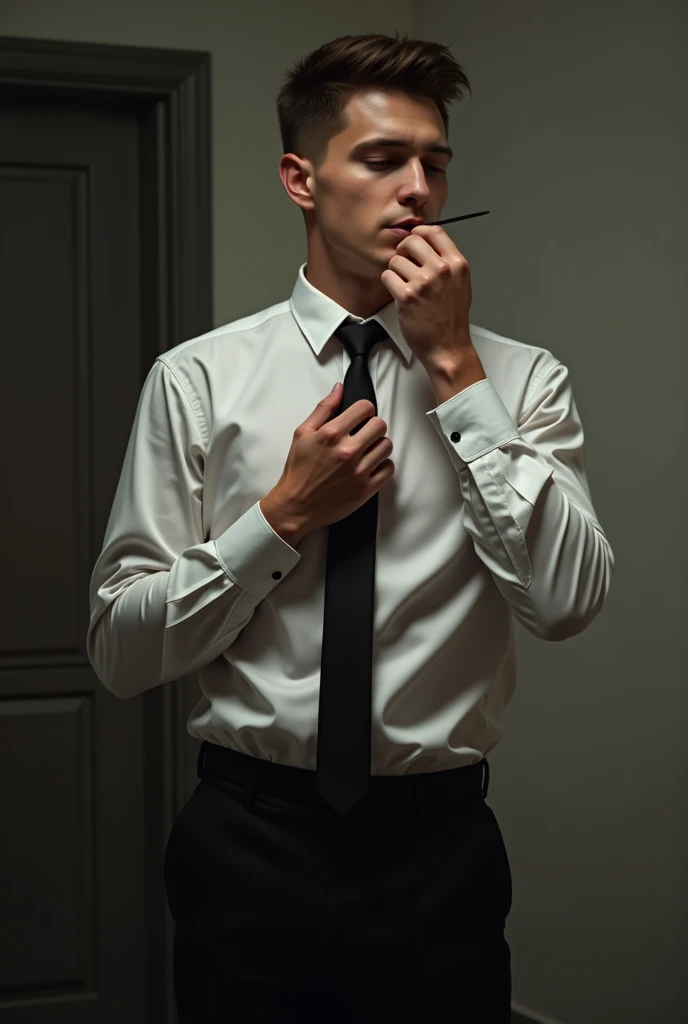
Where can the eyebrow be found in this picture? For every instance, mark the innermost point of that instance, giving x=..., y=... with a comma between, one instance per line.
x=401, y=143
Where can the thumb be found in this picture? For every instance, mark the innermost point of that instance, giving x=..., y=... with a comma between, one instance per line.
x=323, y=410
x=334, y=396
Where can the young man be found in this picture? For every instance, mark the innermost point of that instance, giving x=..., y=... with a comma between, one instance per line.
x=302, y=887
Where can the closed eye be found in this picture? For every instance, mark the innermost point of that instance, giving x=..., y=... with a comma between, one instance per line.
x=386, y=163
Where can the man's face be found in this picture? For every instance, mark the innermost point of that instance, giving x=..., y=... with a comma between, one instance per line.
x=360, y=190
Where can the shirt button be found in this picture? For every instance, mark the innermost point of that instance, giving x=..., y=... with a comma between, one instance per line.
x=455, y=436
x=277, y=575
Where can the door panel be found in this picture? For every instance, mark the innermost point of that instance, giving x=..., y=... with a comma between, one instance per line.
x=80, y=856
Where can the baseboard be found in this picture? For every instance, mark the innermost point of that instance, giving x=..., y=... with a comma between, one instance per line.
x=520, y=1015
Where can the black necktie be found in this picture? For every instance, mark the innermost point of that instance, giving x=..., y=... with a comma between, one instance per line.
x=344, y=713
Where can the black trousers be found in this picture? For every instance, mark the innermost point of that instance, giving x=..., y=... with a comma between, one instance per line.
x=286, y=912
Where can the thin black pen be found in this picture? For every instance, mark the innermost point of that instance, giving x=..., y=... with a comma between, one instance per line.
x=465, y=216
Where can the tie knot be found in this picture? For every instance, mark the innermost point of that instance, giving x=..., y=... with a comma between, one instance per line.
x=358, y=339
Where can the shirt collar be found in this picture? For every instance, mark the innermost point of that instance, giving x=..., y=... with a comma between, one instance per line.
x=318, y=316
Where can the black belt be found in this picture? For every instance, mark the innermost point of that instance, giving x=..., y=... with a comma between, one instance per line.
x=257, y=776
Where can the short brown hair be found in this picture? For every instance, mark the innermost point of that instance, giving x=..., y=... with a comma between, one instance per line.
x=310, y=104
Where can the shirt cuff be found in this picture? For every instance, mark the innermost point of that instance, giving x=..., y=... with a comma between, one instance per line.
x=473, y=422
x=253, y=555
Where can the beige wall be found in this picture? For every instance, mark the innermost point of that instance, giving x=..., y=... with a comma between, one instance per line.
x=575, y=140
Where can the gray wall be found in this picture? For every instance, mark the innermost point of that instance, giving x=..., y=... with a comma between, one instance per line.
x=575, y=140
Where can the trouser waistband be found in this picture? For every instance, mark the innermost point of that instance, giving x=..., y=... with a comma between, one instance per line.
x=298, y=784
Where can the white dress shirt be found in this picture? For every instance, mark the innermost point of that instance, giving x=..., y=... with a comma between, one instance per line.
x=488, y=515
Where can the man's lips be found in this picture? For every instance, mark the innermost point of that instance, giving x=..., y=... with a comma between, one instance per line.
x=404, y=228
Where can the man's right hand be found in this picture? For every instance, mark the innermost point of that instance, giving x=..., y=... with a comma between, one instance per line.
x=329, y=472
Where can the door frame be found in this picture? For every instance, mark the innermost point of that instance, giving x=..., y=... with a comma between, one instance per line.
x=171, y=91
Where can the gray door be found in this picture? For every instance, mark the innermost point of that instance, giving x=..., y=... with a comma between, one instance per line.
x=85, y=811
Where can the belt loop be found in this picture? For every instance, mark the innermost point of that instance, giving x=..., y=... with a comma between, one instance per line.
x=201, y=758
x=486, y=777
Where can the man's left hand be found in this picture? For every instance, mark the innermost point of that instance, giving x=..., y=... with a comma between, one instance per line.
x=433, y=295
